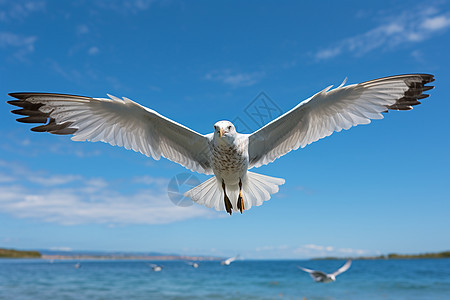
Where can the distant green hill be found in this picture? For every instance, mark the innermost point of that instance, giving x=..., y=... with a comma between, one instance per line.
x=445, y=254
x=10, y=253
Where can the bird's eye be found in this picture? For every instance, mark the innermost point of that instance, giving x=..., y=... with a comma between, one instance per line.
x=229, y=127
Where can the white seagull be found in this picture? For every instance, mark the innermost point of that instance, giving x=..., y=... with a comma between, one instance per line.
x=228, y=261
x=193, y=264
x=155, y=268
x=225, y=153
x=320, y=276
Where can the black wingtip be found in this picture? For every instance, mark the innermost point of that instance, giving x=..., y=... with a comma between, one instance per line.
x=14, y=102
x=19, y=96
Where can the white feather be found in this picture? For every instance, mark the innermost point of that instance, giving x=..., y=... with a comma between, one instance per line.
x=324, y=113
x=127, y=124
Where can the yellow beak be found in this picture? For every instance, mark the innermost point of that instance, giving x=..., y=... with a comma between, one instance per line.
x=221, y=132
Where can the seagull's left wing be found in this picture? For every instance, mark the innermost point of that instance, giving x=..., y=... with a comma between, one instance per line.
x=231, y=259
x=318, y=276
x=115, y=121
x=343, y=268
x=334, y=110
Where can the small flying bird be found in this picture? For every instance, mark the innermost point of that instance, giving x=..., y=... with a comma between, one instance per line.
x=228, y=261
x=320, y=276
x=155, y=268
x=224, y=153
x=193, y=264
x=77, y=266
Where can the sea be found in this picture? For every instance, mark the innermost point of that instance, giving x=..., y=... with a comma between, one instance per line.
x=22, y=279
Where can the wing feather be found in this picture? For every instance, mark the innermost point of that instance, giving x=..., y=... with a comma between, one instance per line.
x=333, y=110
x=120, y=122
x=344, y=268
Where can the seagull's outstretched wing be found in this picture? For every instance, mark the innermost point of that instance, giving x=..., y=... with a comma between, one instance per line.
x=318, y=276
x=334, y=110
x=117, y=122
x=229, y=260
x=343, y=268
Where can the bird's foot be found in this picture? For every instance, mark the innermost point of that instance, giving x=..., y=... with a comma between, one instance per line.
x=228, y=206
x=240, y=202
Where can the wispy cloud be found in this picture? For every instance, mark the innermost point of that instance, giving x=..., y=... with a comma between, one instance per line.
x=235, y=79
x=313, y=250
x=132, y=6
x=21, y=45
x=149, y=180
x=82, y=29
x=19, y=10
x=74, y=199
x=307, y=251
x=93, y=50
x=411, y=26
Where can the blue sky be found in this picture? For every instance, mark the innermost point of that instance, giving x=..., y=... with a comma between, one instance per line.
x=373, y=189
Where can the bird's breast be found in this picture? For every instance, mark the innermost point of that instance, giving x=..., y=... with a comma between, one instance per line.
x=229, y=160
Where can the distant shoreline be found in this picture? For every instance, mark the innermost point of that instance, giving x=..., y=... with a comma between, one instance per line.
x=129, y=257
x=12, y=253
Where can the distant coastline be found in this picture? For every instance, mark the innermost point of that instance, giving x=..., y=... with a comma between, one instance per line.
x=444, y=254
x=130, y=257
x=11, y=253
x=69, y=255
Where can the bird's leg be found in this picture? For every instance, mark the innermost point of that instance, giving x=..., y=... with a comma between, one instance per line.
x=240, y=202
x=228, y=206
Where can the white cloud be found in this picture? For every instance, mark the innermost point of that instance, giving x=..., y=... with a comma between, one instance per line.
x=73, y=199
x=71, y=206
x=82, y=29
x=22, y=45
x=149, y=180
x=131, y=6
x=53, y=179
x=93, y=50
x=436, y=23
x=411, y=26
x=6, y=178
x=65, y=249
x=19, y=10
x=19, y=173
x=235, y=79
x=272, y=248
x=313, y=250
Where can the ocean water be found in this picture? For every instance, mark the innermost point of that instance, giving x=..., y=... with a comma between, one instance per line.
x=246, y=279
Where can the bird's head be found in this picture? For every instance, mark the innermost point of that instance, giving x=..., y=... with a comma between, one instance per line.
x=224, y=129
x=332, y=277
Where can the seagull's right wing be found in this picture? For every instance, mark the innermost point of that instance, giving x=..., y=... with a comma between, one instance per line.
x=117, y=122
x=343, y=268
x=334, y=110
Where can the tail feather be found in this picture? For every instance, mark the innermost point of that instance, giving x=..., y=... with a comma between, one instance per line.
x=256, y=189
x=208, y=194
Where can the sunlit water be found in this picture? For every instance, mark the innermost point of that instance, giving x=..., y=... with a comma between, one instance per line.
x=125, y=279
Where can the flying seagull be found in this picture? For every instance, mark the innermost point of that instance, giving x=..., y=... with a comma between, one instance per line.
x=155, y=268
x=225, y=153
x=320, y=276
x=228, y=261
x=193, y=264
